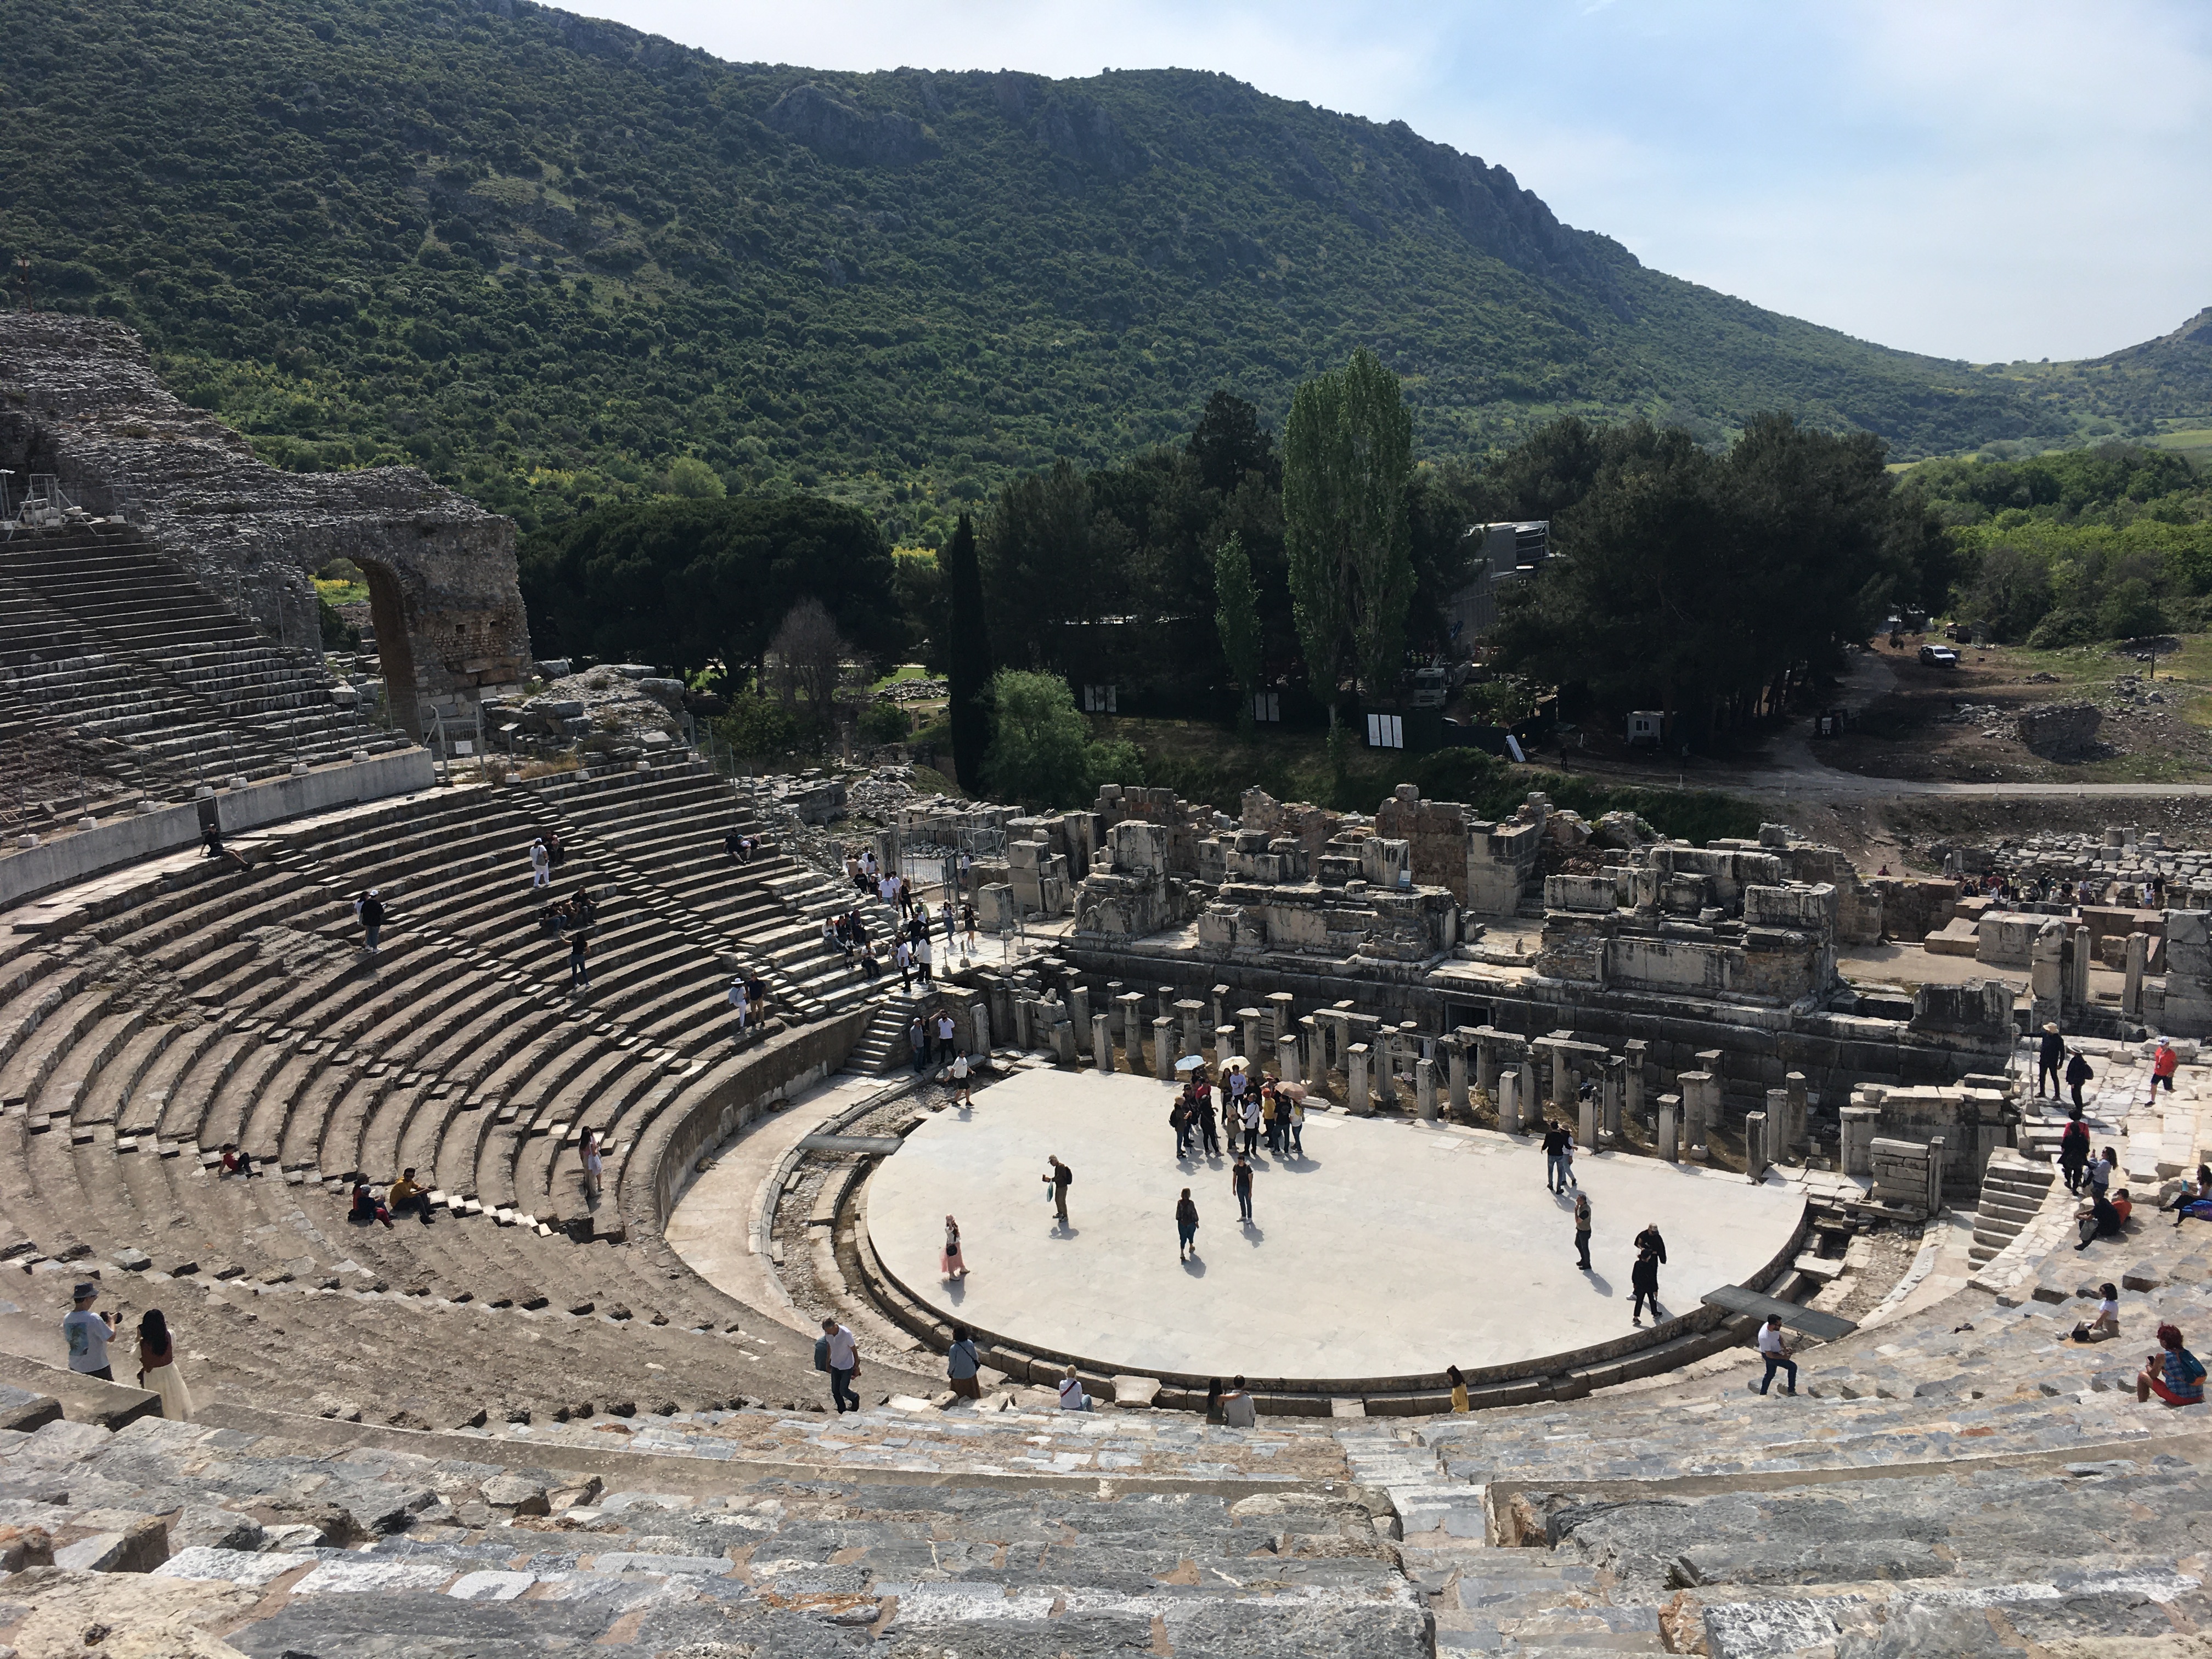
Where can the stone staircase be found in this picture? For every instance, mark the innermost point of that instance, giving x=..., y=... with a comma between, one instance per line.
x=2014, y=1188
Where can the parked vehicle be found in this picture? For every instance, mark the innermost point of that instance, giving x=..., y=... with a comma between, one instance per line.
x=1939, y=656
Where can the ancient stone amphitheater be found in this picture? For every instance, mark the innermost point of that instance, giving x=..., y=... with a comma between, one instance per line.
x=532, y=1426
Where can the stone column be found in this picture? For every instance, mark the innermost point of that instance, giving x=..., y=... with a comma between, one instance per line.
x=1696, y=1100
x=1102, y=1043
x=2046, y=978
x=1563, y=1078
x=1424, y=1089
x=1131, y=1004
x=1063, y=1041
x=1355, y=1066
x=1225, y=1044
x=1313, y=1048
x=1255, y=1048
x=1586, y=1129
x=1632, y=1102
x=1861, y=1124
x=1754, y=1144
x=1191, y=1009
x=2078, y=987
x=1801, y=1128
x=982, y=1028
x=1221, y=995
x=1529, y=1107
x=1610, y=1125
x=1280, y=1023
x=1508, y=1097
x=1078, y=1007
x=1486, y=1061
x=1777, y=1125
x=2131, y=989
x=1286, y=1060
x=1456, y=1078
x=1670, y=1107
x=1163, y=1055
x=1112, y=1003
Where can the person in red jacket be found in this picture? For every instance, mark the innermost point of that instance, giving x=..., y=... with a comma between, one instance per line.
x=2162, y=1064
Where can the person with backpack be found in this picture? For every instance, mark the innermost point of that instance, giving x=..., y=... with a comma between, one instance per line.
x=1179, y=1120
x=368, y=911
x=2074, y=1151
x=2077, y=1073
x=838, y=1353
x=1186, y=1226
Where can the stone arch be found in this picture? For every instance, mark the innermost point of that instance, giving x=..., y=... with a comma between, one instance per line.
x=395, y=649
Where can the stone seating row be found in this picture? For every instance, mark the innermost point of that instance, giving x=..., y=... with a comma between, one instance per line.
x=108, y=640
x=83, y=1188
x=669, y=825
x=308, y=1546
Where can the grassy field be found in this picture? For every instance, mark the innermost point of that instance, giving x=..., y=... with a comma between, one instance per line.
x=2194, y=442
x=1212, y=765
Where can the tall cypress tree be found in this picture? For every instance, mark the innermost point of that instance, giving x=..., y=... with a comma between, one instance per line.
x=968, y=664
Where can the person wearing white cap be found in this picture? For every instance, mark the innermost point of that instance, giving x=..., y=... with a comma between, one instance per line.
x=368, y=910
x=88, y=1335
x=739, y=1001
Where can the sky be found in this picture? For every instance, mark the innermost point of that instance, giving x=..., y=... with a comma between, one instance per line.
x=1990, y=181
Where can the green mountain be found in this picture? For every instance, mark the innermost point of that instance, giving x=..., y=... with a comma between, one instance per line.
x=548, y=257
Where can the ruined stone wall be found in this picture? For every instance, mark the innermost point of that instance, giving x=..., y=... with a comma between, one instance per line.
x=1117, y=803
x=1437, y=831
x=79, y=399
x=1312, y=827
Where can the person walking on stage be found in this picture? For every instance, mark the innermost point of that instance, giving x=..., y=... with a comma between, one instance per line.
x=1643, y=1279
x=952, y=1264
x=1583, y=1229
x=1240, y=1183
x=1060, y=1178
x=1202, y=1106
x=1186, y=1227
x=1555, y=1159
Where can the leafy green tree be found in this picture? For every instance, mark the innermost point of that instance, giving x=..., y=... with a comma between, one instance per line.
x=1237, y=619
x=1036, y=561
x=1040, y=750
x=1347, y=449
x=1691, y=581
x=966, y=651
x=757, y=725
x=885, y=722
x=2011, y=593
x=691, y=477
x=1229, y=441
x=691, y=582
x=2131, y=610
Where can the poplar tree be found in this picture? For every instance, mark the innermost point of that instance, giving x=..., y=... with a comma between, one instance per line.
x=1347, y=453
x=1237, y=615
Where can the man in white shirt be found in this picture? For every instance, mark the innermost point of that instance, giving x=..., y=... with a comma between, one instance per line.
x=1776, y=1352
x=87, y=1333
x=842, y=1355
x=944, y=1038
x=739, y=1001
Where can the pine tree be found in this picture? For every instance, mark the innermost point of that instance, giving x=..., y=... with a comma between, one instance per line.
x=967, y=657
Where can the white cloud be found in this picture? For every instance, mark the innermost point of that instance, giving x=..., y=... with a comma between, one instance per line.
x=1970, y=178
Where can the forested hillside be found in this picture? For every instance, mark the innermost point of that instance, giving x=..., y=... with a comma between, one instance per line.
x=550, y=260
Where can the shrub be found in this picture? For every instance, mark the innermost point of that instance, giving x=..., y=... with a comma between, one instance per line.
x=885, y=722
x=757, y=725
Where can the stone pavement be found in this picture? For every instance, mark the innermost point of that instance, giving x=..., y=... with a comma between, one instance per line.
x=1337, y=1277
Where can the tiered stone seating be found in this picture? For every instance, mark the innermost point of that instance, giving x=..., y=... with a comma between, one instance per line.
x=468, y=1546
x=101, y=636
x=669, y=825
